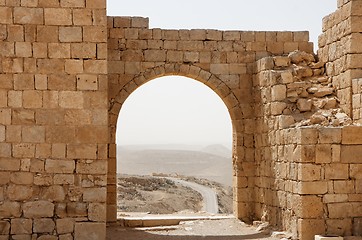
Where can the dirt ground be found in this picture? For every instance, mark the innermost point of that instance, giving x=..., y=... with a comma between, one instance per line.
x=160, y=195
x=225, y=229
x=157, y=195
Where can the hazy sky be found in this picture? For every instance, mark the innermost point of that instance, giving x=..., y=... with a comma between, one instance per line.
x=178, y=110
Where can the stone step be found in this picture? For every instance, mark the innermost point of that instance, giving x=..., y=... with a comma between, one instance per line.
x=164, y=220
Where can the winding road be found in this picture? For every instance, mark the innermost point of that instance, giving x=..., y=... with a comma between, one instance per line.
x=210, y=204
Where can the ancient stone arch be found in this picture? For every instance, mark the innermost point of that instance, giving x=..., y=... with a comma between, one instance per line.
x=66, y=68
x=186, y=70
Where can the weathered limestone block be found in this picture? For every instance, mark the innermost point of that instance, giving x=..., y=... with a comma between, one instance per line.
x=24, y=15
x=23, y=49
x=25, y=178
x=97, y=212
x=19, y=192
x=94, y=34
x=352, y=135
x=330, y=135
x=43, y=225
x=38, y=209
x=5, y=116
x=304, y=105
x=74, y=210
x=87, y=82
x=95, y=195
x=309, y=172
x=8, y=164
x=90, y=231
x=21, y=226
x=279, y=93
x=82, y=151
x=323, y=153
x=351, y=153
x=191, y=57
x=307, y=135
x=10, y=209
x=32, y=99
x=312, y=187
x=281, y=61
x=83, y=50
x=60, y=134
x=300, y=56
x=357, y=227
x=53, y=194
x=43, y=180
x=334, y=198
x=339, y=210
x=64, y=179
x=4, y=178
x=41, y=82
x=309, y=206
x=5, y=153
x=92, y=167
x=344, y=187
x=323, y=91
x=337, y=171
x=307, y=154
x=59, y=166
x=355, y=171
x=155, y=55
x=287, y=77
x=65, y=225
x=4, y=227
x=277, y=108
x=43, y=150
x=339, y=227
x=58, y=16
x=82, y=17
x=15, y=99
x=33, y=134
x=219, y=68
x=6, y=15
x=71, y=99
x=308, y=228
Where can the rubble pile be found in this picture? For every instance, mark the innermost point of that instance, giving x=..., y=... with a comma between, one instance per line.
x=310, y=95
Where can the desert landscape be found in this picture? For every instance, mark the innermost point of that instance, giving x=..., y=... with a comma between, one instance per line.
x=212, y=162
x=160, y=195
x=145, y=184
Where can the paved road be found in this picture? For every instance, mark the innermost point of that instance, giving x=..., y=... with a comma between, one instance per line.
x=209, y=195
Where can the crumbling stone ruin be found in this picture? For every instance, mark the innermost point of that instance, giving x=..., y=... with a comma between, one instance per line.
x=66, y=69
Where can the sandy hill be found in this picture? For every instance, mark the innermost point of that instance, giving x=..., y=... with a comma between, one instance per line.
x=210, y=162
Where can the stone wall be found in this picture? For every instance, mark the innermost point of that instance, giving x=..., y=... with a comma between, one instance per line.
x=222, y=60
x=297, y=142
x=53, y=119
x=307, y=160
x=341, y=50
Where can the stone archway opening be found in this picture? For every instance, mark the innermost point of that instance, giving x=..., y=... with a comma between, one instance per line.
x=242, y=180
x=173, y=126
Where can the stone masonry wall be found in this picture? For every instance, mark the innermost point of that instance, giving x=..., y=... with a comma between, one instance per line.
x=66, y=69
x=222, y=60
x=53, y=119
x=307, y=152
x=340, y=48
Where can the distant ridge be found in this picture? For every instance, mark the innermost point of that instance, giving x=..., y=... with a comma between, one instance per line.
x=202, y=163
x=218, y=150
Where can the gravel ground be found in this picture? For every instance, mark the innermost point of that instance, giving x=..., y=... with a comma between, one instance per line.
x=226, y=229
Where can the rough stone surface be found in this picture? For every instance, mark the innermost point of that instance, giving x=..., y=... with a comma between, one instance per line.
x=66, y=69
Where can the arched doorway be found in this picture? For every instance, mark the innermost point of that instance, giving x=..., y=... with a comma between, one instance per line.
x=242, y=210
x=172, y=126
